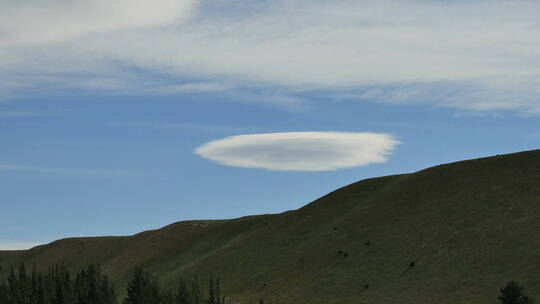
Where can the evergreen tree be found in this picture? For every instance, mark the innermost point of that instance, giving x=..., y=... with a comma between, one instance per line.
x=22, y=285
x=65, y=279
x=13, y=287
x=91, y=286
x=33, y=286
x=167, y=297
x=3, y=293
x=106, y=291
x=142, y=289
x=59, y=293
x=40, y=296
x=512, y=293
x=57, y=287
x=196, y=292
x=211, y=292
x=219, y=300
x=182, y=294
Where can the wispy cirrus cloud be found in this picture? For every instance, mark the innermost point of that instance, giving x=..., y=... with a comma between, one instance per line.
x=475, y=55
x=300, y=151
x=14, y=114
x=183, y=126
x=56, y=20
x=102, y=173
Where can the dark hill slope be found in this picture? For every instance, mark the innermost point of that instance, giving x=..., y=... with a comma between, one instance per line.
x=467, y=226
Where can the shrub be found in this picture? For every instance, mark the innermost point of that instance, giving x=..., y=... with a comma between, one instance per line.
x=512, y=293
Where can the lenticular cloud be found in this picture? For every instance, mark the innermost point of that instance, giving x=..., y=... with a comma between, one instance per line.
x=300, y=151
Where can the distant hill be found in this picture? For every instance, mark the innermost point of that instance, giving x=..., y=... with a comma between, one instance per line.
x=449, y=234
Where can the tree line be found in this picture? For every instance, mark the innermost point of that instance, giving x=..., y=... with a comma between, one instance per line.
x=91, y=286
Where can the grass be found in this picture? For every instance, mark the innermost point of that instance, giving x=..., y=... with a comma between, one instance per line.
x=467, y=226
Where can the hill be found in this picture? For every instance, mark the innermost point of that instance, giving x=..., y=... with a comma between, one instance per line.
x=449, y=234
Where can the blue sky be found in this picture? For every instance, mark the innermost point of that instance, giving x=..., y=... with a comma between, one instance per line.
x=117, y=118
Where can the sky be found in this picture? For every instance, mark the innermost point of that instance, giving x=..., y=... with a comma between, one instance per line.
x=128, y=115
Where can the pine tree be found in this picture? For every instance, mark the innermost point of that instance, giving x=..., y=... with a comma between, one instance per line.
x=142, y=289
x=3, y=293
x=59, y=297
x=211, y=292
x=182, y=294
x=13, y=287
x=167, y=297
x=22, y=285
x=196, y=292
x=33, y=285
x=40, y=297
x=57, y=287
x=106, y=291
x=65, y=279
x=512, y=293
x=91, y=286
x=219, y=300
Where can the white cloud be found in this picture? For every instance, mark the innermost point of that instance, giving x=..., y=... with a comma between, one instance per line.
x=482, y=54
x=300, y=151
x=18, y=245
x=45, y=21
x=103, y=173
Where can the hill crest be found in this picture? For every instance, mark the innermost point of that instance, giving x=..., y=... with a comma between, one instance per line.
x=465, y=226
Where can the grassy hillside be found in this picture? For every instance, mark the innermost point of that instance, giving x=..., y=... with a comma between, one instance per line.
x=467, y=226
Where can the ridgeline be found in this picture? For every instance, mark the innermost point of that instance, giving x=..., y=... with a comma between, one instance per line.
x=452, y=234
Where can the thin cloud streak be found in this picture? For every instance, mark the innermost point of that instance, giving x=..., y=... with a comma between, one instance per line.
x=48, y=20
x=103, y=173
x=484, y=55
x=183, y=126
x=15, y=114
